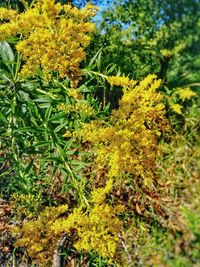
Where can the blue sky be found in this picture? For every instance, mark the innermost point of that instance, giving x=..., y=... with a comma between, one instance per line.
x=102, y=4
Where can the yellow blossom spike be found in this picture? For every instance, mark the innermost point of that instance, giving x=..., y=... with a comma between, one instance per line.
x=185, y=93
x=128, y=145
x=176, y=108
x=121, y=81
x=53, y=37
x=7, y=14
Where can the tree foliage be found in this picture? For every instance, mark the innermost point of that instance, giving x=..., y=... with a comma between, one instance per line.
x=152, y=36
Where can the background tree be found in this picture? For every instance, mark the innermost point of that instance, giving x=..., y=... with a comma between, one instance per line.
x=152, y=36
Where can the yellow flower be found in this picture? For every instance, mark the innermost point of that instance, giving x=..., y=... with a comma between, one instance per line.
x=99, y=195
x=67, y=134
x=176, y=108
x=74, y=93
x=80, y=107
x=53, y=37
x=128, y=144
x=36, y=236
x=96, y=228
x=120, y=81
x=185, y=93
x=7, y=14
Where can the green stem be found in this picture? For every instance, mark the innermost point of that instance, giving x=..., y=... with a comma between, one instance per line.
x=17, y=67
x=17, y=161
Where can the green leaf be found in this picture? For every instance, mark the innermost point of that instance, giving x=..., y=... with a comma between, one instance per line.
x=68, y=144
x=7, y=55
x=24, y=95
x=6, y=52
x=42, y=144
x=99, y=61
x=43, y=100
x=95, y=59
x=78, y=162
x=48, y=113
x=29, y=167
x=58, y=116
x=84, y=89
x=3, y=118
x=60, y=126
x=31, y=129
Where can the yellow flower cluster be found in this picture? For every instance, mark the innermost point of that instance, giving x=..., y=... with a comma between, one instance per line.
x=7, y=14
x=96, y=226
x=26, y=205
x=128, y=144
x=99, y=194
x=176, y=107
x=185, y=93
x=74, y=93
x=53, y=37
x=80, y=107
x=36, y=236
x=121, y=81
